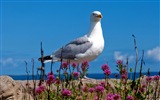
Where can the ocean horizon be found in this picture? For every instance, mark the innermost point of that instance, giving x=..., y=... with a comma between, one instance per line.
x=93, y=75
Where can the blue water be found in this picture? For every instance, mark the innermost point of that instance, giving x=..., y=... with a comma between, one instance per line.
x=95, y=76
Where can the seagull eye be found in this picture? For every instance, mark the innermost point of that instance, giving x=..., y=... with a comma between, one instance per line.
x=93, y=14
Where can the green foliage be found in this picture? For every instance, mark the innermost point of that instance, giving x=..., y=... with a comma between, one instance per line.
x=131, y=70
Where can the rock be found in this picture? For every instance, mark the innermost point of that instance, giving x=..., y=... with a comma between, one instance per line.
x=9, y=89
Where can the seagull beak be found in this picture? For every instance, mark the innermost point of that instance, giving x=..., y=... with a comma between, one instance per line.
x=100, y=16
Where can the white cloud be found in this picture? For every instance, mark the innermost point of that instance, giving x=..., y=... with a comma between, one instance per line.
x=8, y=61
x=120, y=56
x=154, y=53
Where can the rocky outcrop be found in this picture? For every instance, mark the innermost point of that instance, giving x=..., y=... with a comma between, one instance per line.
x=9, y=89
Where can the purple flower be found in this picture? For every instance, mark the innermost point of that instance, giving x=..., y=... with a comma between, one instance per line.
x=91, y=90
x=76, y=74
x=57, y=81
x=85, y=89
x=66, y=93
x=144, y=85
x=130, y=97
x=117, y=97
x=113, y=97
x=64, y=65
x=99, y=88
x=124, y=76
x=85, y=63
x=84, y=66
x=49, y=82
x=104, y=67
x=119, y=62
x=50, y=79
x=149, y=79
x=107, y=72
x=103, y=83
x=156, y=77
x=123, y=71
x=109, y=97
x=40, y=89
x=74, y=65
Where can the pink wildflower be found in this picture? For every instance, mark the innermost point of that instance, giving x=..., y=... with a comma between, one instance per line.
x=84, y=65
x=113, y=97
x=74, y=65
x=119, y=62
x=156, y=77
x=66, y=93
x=50, y=79
x=130, y=97
x=123, y=71
x=103, y=83
x=49, y=82
x=64, y=65
x=144, y=85
x=107, y=72
x=40, y=89
x=124, y=76
x=149, y=79
x=117, y=97
x=109, y=97
x=104, y=67
x=99, y=89
x=85, y=89
x=76, y=74
x=91, y=90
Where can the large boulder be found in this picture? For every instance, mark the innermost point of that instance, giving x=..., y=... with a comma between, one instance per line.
x=9, y=89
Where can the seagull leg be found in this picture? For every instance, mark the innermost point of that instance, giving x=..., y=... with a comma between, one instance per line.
x=85, y=77
x=78, y=69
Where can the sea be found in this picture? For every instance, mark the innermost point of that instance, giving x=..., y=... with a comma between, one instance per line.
x=94, y=76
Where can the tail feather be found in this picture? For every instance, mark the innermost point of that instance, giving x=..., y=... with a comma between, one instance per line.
x=48, y=59
x=45, y=58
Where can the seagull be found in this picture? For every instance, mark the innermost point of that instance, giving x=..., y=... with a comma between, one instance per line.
x=85, y=48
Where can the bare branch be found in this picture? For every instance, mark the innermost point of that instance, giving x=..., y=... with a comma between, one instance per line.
x=136, y=50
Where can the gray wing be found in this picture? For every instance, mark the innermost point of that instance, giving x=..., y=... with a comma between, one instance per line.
x=77, y=46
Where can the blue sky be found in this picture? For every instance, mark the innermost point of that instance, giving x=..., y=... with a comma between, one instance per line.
x=24, y=24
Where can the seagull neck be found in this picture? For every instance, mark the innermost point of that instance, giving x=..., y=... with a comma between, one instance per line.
x=95, y=29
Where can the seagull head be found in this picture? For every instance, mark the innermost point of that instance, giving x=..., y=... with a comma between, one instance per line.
x=96, y=16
